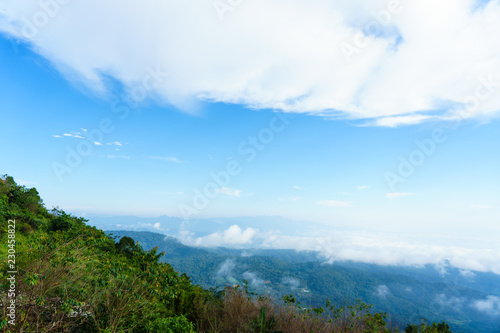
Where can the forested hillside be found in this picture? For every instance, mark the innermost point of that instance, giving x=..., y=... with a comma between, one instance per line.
x=70, y=277
x=407, y=294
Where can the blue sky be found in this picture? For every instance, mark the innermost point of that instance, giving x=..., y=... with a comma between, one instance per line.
x=164, y=154
x=316, y=134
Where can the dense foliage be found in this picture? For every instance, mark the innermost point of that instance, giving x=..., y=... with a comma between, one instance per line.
x=75, y=278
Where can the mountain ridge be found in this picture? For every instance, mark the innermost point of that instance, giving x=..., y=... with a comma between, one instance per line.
x=423, y=292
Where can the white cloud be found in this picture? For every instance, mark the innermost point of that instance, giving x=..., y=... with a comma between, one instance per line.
x=382, y=291
x=294, y=63
x=490, y=305
x=291, y=282
x=253, y=279
x=234, y=235
x=388, y=250
x=73, y=135
x=398, y=121
x=467, y=273
x=398, y=194
x=363, y=187
x=229, y=191
x=167, y=159
x=78, y=135
x=298, y=187
x=452, y=302
x=375, y=248
x=115, y=143
x=334, y=203
x=226, y=268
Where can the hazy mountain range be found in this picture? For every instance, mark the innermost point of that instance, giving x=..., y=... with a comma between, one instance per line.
x=468, y=300
x=334, y=243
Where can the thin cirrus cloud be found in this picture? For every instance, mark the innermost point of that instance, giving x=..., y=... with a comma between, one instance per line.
x=342, y=59
x=76, y=135
x=166, y=159
x=229, y=191
x=80, y=135
x=334, y=203
x=398, y=195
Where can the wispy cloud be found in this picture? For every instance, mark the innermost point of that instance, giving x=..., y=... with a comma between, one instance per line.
x=467, y=273
x=452, y=302
x=81, y=136
x=226, y=268
x=291, y=282
x=166, y=159
x=298, y=187
x=363, y=187
x=229, y=191
x=382, y=291
x=334, y=203
x=398, y=194
x=254, y=279
x=73, y=135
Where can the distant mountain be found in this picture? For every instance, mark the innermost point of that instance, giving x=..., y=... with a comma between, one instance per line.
x=175, y=226
x=406, y=293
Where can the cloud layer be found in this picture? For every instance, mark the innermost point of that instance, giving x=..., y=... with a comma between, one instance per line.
x=233, y=236
x=356, y=59
x=376, y=248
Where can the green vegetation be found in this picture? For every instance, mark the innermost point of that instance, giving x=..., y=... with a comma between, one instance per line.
x=75, y=278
